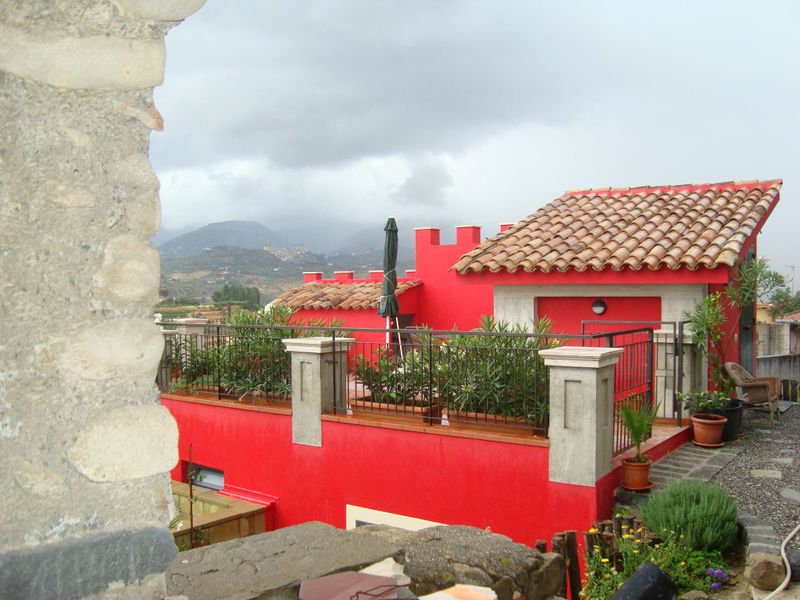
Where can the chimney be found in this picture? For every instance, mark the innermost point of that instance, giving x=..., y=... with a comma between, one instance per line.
x=343, y=275
x=504, y=226
x=309, y=276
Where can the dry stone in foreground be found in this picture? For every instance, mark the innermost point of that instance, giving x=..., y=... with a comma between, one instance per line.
x=273, y=565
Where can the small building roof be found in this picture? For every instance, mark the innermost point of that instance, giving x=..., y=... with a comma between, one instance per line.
x=792, y=316
x=359, y=295
x=690, y=225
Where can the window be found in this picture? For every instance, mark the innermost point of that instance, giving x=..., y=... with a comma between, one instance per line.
x=213, y=479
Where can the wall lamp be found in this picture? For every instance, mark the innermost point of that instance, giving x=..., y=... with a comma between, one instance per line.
x=599, y=307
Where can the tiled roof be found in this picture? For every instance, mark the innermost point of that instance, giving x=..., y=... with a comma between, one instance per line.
x=678, y=226
x=338, y=295
x=792, y=316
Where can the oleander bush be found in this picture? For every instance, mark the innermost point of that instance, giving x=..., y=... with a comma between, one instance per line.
x=703, y=513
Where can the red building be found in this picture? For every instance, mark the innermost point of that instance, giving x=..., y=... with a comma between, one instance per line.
x=640, y=254
x=645, y=254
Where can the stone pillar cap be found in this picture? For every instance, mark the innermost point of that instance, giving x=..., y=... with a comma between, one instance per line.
x=577, y=356
x=317, y=345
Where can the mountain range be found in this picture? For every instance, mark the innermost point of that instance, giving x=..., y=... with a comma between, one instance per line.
x=196, y=263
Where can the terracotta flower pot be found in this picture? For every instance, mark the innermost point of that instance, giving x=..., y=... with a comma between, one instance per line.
x=708, y=429
x=635, y=475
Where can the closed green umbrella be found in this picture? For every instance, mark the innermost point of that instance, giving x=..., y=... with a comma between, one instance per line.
x=388, y=306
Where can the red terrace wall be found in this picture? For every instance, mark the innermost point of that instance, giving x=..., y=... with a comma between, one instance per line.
x=441, y=478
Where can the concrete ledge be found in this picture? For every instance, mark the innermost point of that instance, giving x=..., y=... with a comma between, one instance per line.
x=577, y=357
x=317, y=345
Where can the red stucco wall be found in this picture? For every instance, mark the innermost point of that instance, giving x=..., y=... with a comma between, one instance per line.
x=441, y=478
x=567, y=313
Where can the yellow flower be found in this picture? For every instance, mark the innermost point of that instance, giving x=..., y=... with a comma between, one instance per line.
x=626, y=536
x=683, y=563
x=603, y=560
x=593, y=530
x=596, y=547
x=636, y=552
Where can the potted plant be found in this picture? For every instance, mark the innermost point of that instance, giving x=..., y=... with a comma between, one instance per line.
x=637, y=418
x=708, y=420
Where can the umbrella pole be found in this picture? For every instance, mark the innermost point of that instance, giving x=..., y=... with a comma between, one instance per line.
x=388, y=333
x=399, y=338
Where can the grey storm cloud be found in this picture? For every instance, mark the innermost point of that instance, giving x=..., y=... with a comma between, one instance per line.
x=426, y=183
x=326, y=83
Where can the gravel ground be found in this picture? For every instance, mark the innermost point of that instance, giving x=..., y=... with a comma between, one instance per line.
x=778, y=453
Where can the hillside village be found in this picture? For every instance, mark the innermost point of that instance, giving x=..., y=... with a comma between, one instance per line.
x=195, y=264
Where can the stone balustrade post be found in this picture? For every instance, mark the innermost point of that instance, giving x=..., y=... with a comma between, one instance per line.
x=319, y=375
x=581, y=412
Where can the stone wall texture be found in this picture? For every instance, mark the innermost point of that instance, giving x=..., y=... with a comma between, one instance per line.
x=84, y=444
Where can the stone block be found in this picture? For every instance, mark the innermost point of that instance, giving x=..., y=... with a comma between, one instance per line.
x=130, y=269
x=547, y=580
x=272, y=565
x=127, y=348
x=764, y=571
x=127, y=443
x=91, y=62
x=388, y=568
x=159, y=10
x=766, y=473
x=87, y=564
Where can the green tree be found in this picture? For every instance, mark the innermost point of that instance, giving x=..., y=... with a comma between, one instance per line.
x=783, y=302
x=712, y=332
x=235, y=293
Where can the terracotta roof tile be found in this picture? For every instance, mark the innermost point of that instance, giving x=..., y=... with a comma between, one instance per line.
x=359, y=295
x=689, y=225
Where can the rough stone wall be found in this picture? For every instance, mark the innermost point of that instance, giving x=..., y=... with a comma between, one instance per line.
x=271, y=566
x=84, y=443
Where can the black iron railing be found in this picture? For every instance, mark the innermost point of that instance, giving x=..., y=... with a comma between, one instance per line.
x=241, y=363
x=448, y=378
x=478, y=377
x=633, y=374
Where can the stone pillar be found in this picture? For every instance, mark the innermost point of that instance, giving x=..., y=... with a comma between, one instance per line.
x=319, y=374
x=85, y=446
x=190, y=326
x=694, y=379
x=581, y=412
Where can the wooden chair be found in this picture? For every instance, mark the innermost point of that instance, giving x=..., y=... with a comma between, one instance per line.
x=756, y=391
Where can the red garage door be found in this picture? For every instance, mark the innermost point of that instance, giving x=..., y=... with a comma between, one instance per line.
x=567, y=312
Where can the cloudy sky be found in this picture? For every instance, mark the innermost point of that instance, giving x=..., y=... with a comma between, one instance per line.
x=337, y=114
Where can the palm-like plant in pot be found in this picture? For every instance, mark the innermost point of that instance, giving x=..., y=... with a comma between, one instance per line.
x=637, y=418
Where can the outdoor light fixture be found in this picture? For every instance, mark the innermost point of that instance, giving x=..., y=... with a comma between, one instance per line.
x=598, y=307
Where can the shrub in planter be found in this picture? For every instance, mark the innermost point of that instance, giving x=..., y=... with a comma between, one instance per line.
x=703, y=513
x=690, y=569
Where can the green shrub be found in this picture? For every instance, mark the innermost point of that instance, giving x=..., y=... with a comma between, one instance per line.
x=704, y=514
